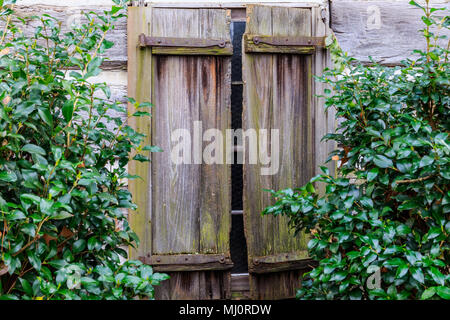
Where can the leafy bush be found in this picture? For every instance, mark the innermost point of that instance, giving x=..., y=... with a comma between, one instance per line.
x=386, y=212
x=63, y=156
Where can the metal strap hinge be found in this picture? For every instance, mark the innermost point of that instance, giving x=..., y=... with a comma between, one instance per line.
x=186, y=46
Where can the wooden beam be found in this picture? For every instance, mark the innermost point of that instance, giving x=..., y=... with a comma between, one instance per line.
x=280, y=262
x=269, y=44
x=188, y=262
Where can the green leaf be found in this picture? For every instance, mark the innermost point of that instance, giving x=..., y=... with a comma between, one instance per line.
x=57, y=264
x=8, y=176
x=26, y=286
x=34, y=260
x=382, y=161
x=412, y=2
x=443, y=292
x=62, y=215
x=437, y=275
x=16, y=215
x=33, y=149
x=372, y=174
x=79, y=246
x=67, y=110
x=46, y=116
x=417, y=274
x=428, y=293
x=401, y=270
x=426, y=161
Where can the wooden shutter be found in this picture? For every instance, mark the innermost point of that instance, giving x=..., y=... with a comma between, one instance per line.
x=278, y=94
x=183, y=218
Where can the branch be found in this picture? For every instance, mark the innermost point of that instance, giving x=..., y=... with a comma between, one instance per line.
x=414, y=180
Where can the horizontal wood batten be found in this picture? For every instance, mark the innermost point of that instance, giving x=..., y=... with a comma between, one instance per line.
x=185, y=51
x=251, y=47
x=188, y=262
x=280, y=262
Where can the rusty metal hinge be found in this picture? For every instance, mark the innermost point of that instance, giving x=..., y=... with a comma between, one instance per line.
x=186, y=46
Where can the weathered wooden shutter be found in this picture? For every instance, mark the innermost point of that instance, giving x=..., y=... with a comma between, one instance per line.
x=179, y=59
x=282, y=49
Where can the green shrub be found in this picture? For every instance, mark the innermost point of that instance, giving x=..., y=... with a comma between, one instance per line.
x=386, y=212
x=63, y=158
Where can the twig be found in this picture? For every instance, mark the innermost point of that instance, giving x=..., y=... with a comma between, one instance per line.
x=414, y=180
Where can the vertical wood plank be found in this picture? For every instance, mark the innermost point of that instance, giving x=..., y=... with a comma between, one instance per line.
x=139, y=88
x=324, y=120
x=175, y=96
x=191, y=208
x=292, y=116
x=214, y=102
x=285, y=105
x=256, y=114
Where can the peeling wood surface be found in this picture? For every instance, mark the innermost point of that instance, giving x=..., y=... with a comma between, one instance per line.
x=385, y=30
x=277, y=95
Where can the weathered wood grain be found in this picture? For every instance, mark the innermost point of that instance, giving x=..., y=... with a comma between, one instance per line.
x=385, y=30
x=190, y=206
x=198, y=285
x=277, y=95
x=324, y=120
x=139, y=88
x=257, y=107
x=189, y=262
x=215, y=107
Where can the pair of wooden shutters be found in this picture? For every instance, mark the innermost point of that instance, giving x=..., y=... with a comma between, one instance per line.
x=184, y=213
